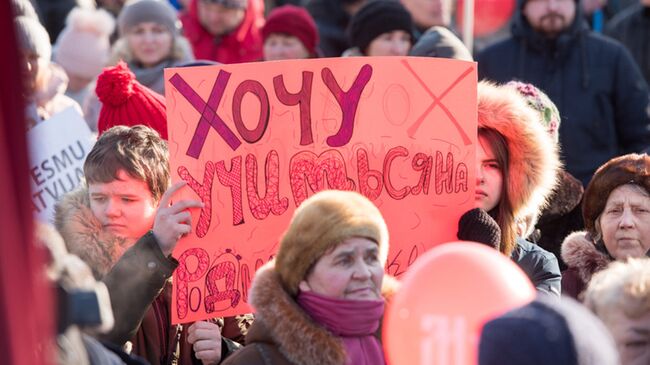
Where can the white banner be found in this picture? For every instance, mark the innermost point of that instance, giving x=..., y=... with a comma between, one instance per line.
x=58, y=149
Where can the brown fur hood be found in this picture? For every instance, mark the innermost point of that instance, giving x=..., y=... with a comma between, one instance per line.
x=285, y=324
x=83, y=233
x=534, y=156
x=566, y=197
x=580, y=253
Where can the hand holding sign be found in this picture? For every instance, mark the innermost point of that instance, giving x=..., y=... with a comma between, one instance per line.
x=445, y=298
x=173, y=220
x=205, y=338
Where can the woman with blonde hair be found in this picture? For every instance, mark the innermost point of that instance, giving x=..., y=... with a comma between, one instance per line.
x=620, y=297
x=150, y=41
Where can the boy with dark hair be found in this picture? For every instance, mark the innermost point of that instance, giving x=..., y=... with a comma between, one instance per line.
x=125, y=227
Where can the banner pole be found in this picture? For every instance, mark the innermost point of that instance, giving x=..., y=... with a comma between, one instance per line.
x=468, y=25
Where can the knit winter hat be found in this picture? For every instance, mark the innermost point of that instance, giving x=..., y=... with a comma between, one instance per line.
x=83, y=47
x=233, y=4
x=628, y=169
x=549, y=115
x=127, y=102
x=33, y=37
x=294, y=21
x=320, y=224
x=376, y=18
x=440, y=42
x=547, y=331
x=533, y=156
x=141, y=11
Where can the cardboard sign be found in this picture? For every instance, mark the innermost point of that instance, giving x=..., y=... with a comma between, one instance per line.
x=58, y=149
x=255, y=140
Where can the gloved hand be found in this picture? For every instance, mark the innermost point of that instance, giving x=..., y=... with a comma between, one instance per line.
x=478, y=226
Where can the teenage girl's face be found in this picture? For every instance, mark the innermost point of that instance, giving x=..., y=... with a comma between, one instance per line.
x=489, y=178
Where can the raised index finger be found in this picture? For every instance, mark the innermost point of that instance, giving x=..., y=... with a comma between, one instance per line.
x=164, y=201
x=180, y=206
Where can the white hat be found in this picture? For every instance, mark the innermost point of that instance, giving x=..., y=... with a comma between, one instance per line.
x=83, y=47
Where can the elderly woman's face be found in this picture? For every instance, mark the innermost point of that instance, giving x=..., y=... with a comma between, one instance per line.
x=625, y=222
x=351, y=271
x=150, y=43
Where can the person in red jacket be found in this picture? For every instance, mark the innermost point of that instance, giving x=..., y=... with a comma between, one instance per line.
x=226, y=31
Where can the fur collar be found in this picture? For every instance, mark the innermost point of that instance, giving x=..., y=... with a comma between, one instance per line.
x=580, y=253
x=279, y=320
x=83, y=233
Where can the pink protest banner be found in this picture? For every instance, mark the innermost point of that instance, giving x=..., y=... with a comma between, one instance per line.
x=255, y=140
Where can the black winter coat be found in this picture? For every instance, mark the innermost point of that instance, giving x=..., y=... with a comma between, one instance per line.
x=332, y=22
x=632, y=28
x=561, y=217
x=593, y=80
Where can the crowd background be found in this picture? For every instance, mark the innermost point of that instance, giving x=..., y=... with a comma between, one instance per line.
x=563, y=178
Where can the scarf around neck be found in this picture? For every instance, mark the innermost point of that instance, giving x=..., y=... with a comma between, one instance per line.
x=151, y=77
x=354, y=321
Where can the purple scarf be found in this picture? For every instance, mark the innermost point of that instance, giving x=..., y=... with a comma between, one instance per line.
x=354, y=321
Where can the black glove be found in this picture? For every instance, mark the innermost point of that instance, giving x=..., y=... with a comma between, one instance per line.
x=477, y=225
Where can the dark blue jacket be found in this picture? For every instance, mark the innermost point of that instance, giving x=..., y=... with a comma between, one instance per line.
x=540, y=265
x=631, y=27
x=332, y=22
x=599, y=90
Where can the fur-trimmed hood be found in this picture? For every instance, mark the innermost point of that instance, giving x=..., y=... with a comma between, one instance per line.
x=280, y=321
x=83, y=233
x=580, y=253
x=534, y=156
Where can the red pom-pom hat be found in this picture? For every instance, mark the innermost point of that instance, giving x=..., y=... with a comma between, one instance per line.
x=127, y=102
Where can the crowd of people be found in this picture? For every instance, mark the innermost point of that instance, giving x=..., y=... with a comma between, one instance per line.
x=562, y=179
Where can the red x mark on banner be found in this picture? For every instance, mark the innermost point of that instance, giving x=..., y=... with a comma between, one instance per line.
x=209, y=117
x=437, y=101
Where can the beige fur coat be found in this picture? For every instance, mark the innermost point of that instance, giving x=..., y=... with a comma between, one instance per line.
x=83, y=233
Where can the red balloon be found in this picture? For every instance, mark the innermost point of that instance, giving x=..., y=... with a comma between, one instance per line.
x=446, y=296
x=489, y=15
